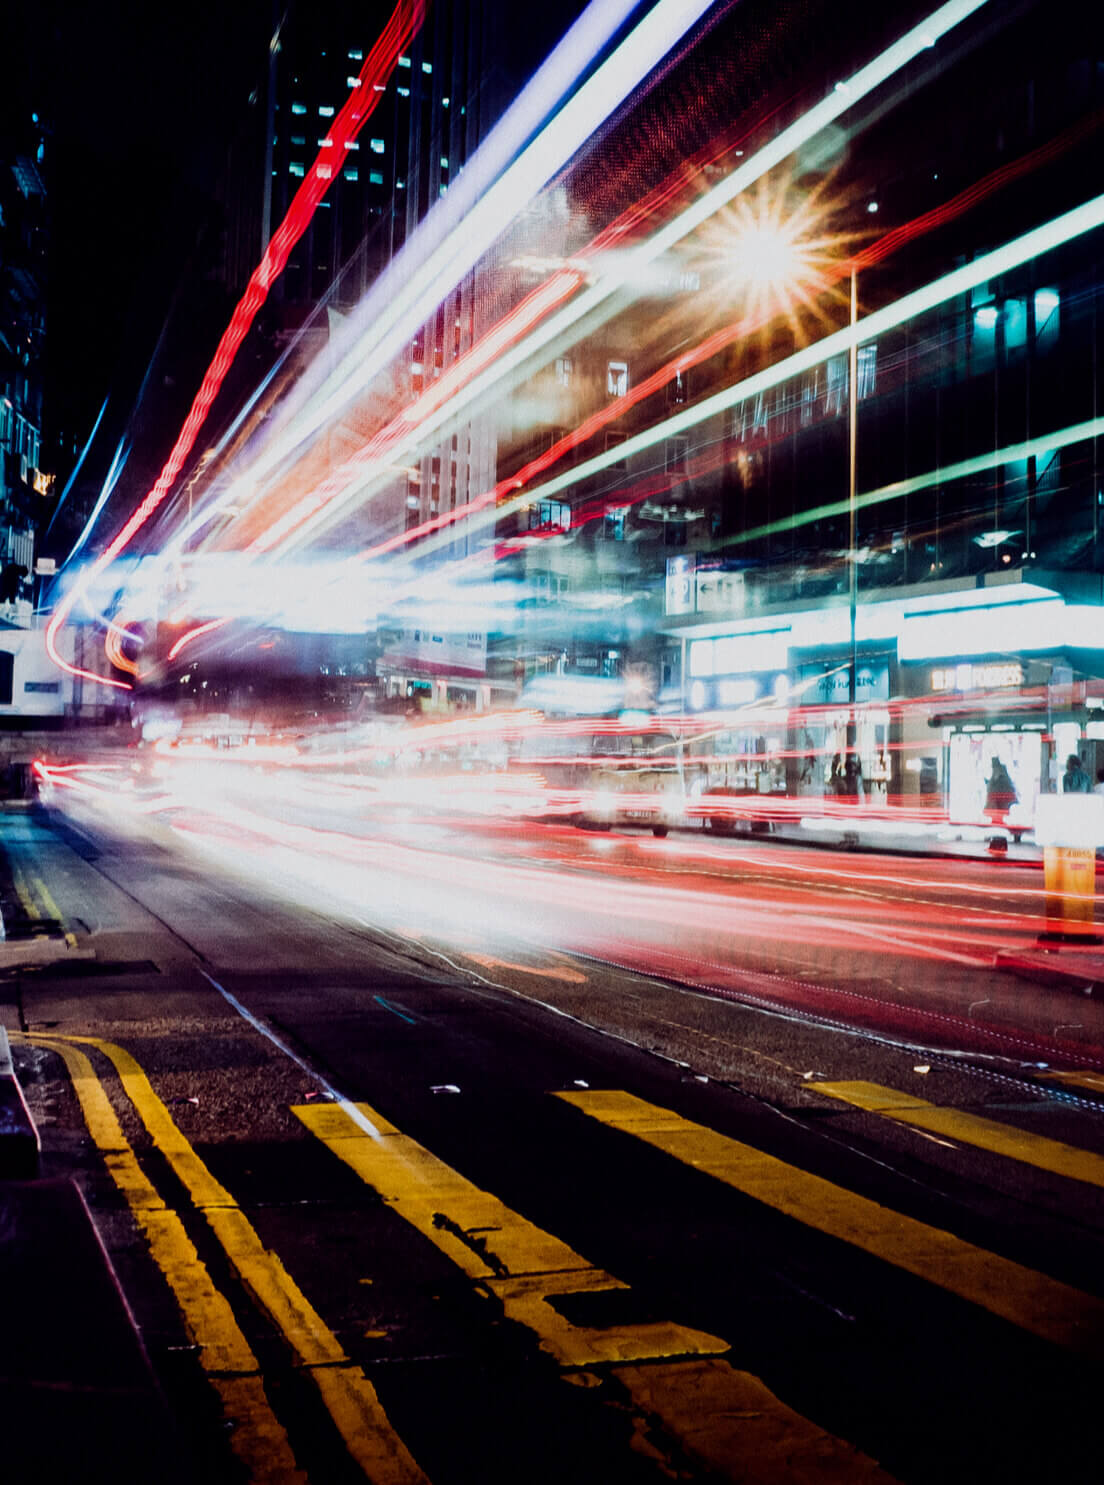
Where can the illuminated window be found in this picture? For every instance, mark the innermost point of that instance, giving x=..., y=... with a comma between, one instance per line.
x=298, y=108
x=375, y=177
x=355, y=56
x=564, y=369
x=352, y=82
x=376, y=146
x=404, y=61
x=299, y=139
x=326, y=143
x=400, y=185
x=444, y=102
x=444, y=162
x=550, y=514
x=352, y=144
x=295, y=168
x=617, y=378
x=1047, y=318
x=403, y=92
x=427, y=66
x=442, y=190
x=351, y=174
x=325, y=111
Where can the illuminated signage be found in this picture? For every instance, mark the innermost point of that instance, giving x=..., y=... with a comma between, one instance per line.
x=977, y=677
x=679, y=596
x=736, y=654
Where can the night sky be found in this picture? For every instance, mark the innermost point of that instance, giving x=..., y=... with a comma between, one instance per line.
x=142, y=102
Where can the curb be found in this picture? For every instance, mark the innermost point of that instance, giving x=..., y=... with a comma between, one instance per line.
x=19, y=1142
x=30, y=953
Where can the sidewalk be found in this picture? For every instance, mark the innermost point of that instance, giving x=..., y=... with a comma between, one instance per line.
x=1071, y=966
x=858, y=832
x=78, y=1396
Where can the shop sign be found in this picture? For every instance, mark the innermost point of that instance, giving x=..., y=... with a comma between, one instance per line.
x=719, y=592
x=833, y=687
x=679, y=594
x=991, y=677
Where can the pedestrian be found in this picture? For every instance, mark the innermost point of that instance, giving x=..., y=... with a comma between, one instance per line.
x=1000, y=791
x=1075, y=780
x=852, y=778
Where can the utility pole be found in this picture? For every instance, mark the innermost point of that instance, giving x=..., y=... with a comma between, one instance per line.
x=852, y=512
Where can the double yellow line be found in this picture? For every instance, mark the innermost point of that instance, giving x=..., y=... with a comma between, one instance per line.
x=31, y=907
x=257, y=1436
x=685, y=1397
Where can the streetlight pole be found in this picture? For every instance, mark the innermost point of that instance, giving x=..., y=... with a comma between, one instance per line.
x=852, y=513
x=851, y=762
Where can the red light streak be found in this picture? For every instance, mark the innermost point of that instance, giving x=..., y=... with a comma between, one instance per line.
x=747, y=325
x=186, y=639
x=509, y=330
x=359, y=106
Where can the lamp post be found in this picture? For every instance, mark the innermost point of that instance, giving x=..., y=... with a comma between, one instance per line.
x=852, y=510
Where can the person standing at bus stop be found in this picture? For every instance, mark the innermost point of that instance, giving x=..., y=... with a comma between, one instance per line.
x=1075, y=780
x=1000, y=792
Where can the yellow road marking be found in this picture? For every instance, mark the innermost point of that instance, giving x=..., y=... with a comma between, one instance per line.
x=743, y=1429
x=30, y=907
x=1028, y=1299
x=970, y=1129
x=519, y=1262
x=569, y=976
x=256, y=1436
x=347, y=1393
x=1082, y=1078
x=733, y=1424
x=52, y=911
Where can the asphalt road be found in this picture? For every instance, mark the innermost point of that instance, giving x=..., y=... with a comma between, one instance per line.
x=450, y=1151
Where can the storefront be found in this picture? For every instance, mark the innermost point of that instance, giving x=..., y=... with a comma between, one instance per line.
x=840, y=750
x=949, y=678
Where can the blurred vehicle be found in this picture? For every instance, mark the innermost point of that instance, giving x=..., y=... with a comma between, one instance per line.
x=601, y=773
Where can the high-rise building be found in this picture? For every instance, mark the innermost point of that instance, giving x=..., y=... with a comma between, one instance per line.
x=24, y=485
x=445, y=92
